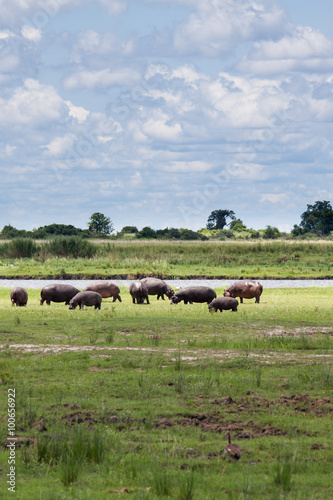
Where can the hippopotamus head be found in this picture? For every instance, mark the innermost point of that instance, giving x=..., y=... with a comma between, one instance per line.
x=175, y=300
x=227, y=294
x=169, y=293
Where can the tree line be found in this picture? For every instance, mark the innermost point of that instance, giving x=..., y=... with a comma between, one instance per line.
x=221, y=224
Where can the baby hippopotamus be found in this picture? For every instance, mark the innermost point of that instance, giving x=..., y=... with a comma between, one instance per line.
x=223, y=303
x=86, y=299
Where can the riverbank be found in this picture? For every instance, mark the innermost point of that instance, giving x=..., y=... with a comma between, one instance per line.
x=183, y=260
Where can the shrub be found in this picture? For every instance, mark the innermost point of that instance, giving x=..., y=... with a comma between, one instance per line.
x=19, y=248
x=72, y=247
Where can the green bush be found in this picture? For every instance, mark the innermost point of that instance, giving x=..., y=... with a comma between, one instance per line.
x=19, y=248
x=71, y=246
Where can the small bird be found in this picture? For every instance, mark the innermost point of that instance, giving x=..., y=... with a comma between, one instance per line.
x=233, y=450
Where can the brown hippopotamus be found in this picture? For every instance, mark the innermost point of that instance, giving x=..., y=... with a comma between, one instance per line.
x=223, y=303
x=105, y=289
x=247, y=289
x=158, y=287
x=86, y=298
x=57, y=293
x=139, y=292
x=19, y=296
x=192, y=294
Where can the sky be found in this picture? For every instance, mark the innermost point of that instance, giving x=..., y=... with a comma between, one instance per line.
x=157, y=112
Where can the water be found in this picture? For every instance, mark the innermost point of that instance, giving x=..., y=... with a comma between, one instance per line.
x=38, y=284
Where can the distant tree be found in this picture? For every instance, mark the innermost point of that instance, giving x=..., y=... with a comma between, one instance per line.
x=237, y=225
x=271, y=233
x=188, y=234
x=318, y=218
x=129, y=229
x=9, y=232
x=99, y=223
x=146, y=232
x=218, y=219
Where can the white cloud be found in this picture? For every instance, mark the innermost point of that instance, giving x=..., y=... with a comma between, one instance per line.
x=303, y=49
x=159, y=127
x=31, y=34
x=77, y=112
x=6, y=35
x=216, y=26
x=33, y=104
x=60, y=145
x=102, y=79
x=274, y=198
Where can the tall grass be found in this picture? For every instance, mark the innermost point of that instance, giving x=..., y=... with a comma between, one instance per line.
x=169, y=258
x=70, y=247
x=19, y=248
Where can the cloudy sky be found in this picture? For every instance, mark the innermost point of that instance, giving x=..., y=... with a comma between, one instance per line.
x=156, y=112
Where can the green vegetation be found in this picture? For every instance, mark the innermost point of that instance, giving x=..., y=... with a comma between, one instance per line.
x=137, y=398
x=316, y=221
x=73, y=256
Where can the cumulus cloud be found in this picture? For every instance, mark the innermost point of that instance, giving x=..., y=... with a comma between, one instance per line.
x=60, y=145
x=32, y=104
x=216, y=26
x=102, y=79
x=302, y=49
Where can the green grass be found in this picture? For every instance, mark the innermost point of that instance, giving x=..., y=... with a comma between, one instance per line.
x=177, y=259
x=138, y=398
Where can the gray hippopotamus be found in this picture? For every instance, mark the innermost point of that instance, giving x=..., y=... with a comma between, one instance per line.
x=139, y=292
x=194, y=294
x=223, y=303
x=57, y=293
x=158, y=287
x=86, y=298
x=247, y=289
x=19, y=296
x=105, y=289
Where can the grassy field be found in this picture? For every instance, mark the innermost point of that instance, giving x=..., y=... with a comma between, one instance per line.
x=170, y=259
x=137, y=398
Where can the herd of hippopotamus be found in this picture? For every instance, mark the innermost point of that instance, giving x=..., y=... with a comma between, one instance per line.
x=140, y=290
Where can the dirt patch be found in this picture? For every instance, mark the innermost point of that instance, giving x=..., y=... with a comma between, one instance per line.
x=190, y=355
x=215, y=423
x=19, y=441
x=303, y=403
x=279, y=331
x=252, y=402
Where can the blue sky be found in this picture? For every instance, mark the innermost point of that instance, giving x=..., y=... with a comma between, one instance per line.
x=156, y=112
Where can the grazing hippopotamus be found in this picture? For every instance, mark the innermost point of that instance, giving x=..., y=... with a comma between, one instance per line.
x=194, y=294
x=86, y=298
x=247, y=289
x=57, y=293
x=158, y=287
x=139, y=292
x=19, y=296
x=105, y=289
x=225, y=303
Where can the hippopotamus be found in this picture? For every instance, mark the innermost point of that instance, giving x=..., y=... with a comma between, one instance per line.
x=19, y=296
x=86, y=298
x=223, y=303
x=105, y=289
x=247, y=289
x=57, y=293
x=139, y=292
x=194, y=294
x=158, y=287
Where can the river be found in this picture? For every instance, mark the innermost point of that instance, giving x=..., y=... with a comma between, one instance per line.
x=36, y=284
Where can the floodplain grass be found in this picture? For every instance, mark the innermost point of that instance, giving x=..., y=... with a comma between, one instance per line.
x=173, y=259
x=145, y=409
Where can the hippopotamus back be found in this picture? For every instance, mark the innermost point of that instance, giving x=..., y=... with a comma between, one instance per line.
x=247, y=289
